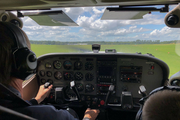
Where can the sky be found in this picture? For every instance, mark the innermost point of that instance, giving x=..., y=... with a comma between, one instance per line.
x=92, y=28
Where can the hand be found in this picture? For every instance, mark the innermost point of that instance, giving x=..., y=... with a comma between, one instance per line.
x=91, y=113
x=43, y=93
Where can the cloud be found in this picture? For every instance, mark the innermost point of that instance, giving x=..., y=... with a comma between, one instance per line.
x=164, y=34
x=91, y=27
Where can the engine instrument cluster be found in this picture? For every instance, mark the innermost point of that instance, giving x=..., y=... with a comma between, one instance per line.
x=94, y=73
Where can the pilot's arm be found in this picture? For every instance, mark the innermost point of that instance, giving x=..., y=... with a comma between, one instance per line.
x=90, y=114
x=43, y=93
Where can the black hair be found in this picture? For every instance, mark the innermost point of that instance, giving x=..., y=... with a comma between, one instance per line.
x=6, y=43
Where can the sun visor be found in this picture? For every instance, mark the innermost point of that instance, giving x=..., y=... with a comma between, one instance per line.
x=122, y=15
x=51, y=18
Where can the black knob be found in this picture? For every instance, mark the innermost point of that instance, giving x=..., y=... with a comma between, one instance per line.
x=172, y=20
x=32, y=58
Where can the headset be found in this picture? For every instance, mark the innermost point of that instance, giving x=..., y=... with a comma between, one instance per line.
x=143, y=100
x=24, y=60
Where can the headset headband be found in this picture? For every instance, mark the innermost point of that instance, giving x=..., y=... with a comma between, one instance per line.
x=20, y=39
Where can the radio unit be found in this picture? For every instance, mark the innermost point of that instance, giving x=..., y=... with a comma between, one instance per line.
x=131, y=74
x=106, y=76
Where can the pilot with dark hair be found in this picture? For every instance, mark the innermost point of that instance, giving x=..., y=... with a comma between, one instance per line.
x=163, y=105
x=13, y=79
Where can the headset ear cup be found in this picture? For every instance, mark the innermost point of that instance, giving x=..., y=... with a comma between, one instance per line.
x=25, y=62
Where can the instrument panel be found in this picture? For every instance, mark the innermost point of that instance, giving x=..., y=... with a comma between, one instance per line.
x=93, y=74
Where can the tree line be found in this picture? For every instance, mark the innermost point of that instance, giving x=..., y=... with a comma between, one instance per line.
x=103, y=42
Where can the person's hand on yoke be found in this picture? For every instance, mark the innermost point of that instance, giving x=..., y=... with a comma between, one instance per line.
x=43, y=93
x=91, y=113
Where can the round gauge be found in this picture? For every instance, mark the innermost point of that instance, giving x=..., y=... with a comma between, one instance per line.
x=78, y=65
x=42, y=73
x=48, y=65
x=58, y=75
x=49, y=73
x=89, y=76
x=68, y=76
x=57, y=64
x=78, y=76
x=67, y=65
x=89, y=66
x=80, y=86
x=50, y=81
x=89, y=88
x=43, y=81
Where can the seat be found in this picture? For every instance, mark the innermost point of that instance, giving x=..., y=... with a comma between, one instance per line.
x=9, y=99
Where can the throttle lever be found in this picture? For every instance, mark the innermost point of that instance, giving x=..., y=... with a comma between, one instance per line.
x=110, y=90
x=74, y=88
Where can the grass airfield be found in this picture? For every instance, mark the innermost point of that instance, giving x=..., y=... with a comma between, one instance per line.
x=165, y=52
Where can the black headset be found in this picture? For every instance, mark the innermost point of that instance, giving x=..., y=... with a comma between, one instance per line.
x=143, y=100
x=24, y=60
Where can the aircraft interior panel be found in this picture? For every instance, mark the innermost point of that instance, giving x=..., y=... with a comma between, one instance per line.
x=95, y=73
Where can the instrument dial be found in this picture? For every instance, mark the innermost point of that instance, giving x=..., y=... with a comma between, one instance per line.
x=50, y=81
x=43, y=81
x=57, y=64
x=89, y=76
x=49, y=73
x=67, y=65
x=78, y=76
x=80, y=86
x=78, y=65
x=42, y=73
x=48, y=65
x=89, y=66
x=58, y=75
x=89, y=88
x=68, y=76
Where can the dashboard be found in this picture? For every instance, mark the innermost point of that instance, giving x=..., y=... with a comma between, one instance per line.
x=94, y=73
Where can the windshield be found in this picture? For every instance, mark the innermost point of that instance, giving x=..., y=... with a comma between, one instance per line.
x=147, y=35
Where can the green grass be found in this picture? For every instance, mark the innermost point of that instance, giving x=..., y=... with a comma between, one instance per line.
x=165, y=52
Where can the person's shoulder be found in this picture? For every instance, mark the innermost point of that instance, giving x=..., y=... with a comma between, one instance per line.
x=47, y=112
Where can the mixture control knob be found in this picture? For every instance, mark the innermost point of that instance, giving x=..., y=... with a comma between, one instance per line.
x=102, y=102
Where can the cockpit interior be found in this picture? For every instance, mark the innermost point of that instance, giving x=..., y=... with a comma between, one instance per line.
x=111, y=81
